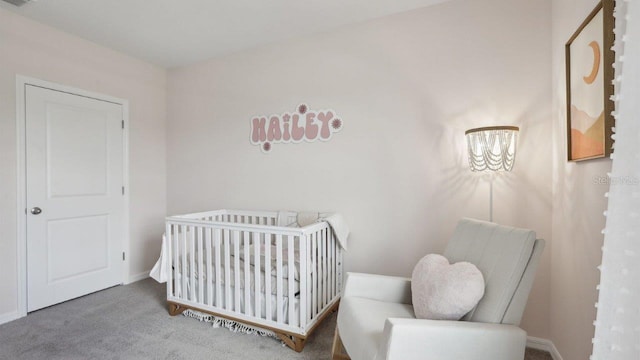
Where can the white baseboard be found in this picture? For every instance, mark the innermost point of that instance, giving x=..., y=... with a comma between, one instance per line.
x=5, y=318
x=544, y=345
x=137, y=277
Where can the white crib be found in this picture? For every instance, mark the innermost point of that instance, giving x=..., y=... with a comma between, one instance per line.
x=242, y=266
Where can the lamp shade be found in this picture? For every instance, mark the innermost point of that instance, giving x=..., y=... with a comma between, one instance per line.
x=492, y=148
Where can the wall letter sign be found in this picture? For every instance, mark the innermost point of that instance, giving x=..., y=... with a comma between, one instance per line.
x=301, y=125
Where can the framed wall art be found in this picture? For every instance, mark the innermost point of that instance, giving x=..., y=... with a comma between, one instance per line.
x=589, y=71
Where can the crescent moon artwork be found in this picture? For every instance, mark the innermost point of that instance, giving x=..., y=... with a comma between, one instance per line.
x=589, y=73
x=589, y=79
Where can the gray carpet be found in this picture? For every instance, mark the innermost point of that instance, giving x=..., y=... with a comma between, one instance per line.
x=131, y=322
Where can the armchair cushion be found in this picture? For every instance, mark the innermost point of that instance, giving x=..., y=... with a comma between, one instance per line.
x=443, y=291
x=361, y=321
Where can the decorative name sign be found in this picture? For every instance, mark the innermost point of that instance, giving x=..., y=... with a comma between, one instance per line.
x=302, y=125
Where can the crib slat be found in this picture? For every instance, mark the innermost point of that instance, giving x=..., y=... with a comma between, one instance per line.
x=308, y=270
x=314, y=263
x=192, y=263
x=324, y=269
x=168, y=247
x=176, y=261
x=209, y=262
x=183, y=261
x=327, y=261
x=279, y=276
x=267, y=277
x=236, y=269
x=201, y=270
x=216, y=265
x=227, y=271
x=303, y=281
x=337, y=276
x=291, y=278
x=247, y=281
x=336, y=282
x=331, y=269
x=328, y=269
x=256, y=267
x=318, y=295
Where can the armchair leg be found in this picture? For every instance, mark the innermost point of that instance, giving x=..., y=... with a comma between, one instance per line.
x=337, y=350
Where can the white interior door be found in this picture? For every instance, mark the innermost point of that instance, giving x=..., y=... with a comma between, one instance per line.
x=75, y=203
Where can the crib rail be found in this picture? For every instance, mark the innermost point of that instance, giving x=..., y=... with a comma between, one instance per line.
x=240, y=265
x=268, y=218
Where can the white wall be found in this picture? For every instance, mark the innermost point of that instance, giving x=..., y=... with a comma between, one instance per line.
x=31, y=49
x=578, y=206
x=407, y=87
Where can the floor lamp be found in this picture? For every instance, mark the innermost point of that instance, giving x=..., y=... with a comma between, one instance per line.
x=492, y=149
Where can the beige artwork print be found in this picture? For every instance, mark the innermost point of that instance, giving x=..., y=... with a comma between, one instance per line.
x=587, y=89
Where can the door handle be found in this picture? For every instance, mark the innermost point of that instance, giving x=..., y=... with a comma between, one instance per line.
x=36, y=210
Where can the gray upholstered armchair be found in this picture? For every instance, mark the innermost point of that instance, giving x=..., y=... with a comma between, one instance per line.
x=376, y=318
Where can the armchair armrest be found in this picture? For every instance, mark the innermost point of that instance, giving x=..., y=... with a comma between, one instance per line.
x=378, y=287
x=419, y=339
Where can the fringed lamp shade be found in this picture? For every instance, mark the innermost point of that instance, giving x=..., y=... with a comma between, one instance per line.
x=492, y=148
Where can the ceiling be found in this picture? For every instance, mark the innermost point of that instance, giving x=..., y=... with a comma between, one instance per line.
x=173, y=33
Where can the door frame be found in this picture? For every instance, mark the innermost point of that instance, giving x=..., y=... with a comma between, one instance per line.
x=21, y=209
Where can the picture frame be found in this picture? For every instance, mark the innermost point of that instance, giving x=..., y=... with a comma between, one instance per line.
x=589, y=75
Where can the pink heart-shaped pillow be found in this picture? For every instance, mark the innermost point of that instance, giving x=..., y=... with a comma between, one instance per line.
x=443, y=291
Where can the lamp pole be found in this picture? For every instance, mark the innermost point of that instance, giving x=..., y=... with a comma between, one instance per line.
x=491, y=199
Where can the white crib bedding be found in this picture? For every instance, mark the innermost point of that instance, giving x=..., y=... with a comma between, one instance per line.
x=252, y=271
x=202, y=271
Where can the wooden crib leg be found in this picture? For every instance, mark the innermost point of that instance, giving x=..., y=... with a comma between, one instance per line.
x=175, y=309
x=296, y=343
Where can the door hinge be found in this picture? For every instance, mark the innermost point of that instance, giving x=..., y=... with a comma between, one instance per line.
x=123, y=257
x=123, y=124
x=123, y=190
